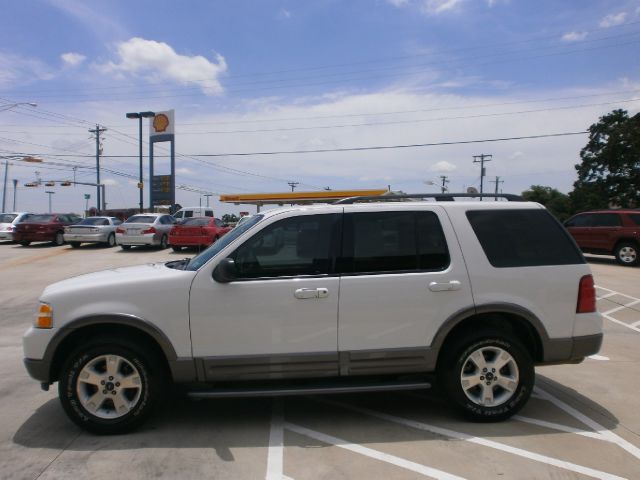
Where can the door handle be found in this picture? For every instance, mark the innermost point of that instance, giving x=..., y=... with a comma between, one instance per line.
x=445, y=286
x=303, y=293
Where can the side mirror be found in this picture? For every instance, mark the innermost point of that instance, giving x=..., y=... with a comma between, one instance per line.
x=225, y=272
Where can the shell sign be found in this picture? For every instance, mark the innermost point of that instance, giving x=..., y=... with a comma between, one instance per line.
x=162, y=123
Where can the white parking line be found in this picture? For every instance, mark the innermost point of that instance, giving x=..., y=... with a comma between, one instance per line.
x=619, y=322
x=275, y=459
x=605, y=432
x=607, y=314
x=621, y=307
x=617, y=293
x=480, y=441
x=601, y=358
x=559, y=427
x=613, y=294
x=371, y=453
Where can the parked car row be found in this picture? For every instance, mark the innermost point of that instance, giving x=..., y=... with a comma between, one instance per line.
x=152, y=229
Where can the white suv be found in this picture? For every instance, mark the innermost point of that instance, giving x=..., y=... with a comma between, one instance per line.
x=346, y=297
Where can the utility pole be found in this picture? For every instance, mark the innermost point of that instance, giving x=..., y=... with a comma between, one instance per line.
x=445, y=180
x=207, y=195
x=4, y=189
x=293, y=185
x=49, y=193
x=97, y=131
x=497, y=181
x=481, y=159
x=15, y=188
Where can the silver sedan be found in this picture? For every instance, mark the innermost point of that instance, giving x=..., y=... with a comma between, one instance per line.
x=145, y=229
x=92, y=230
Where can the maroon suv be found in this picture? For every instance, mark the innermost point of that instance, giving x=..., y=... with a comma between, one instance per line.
x=45, y=227
x=608, y=232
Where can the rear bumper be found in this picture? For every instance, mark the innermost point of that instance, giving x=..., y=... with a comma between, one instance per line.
x=571, y=350
x=189, y=241
x=149, y=239
x=86, y=237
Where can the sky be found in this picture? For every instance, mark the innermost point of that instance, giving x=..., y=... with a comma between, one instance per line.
x=256, y=77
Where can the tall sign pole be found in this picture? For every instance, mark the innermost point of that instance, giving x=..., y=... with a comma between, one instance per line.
x=97, y=131
x=163, y=187
x=481, y=159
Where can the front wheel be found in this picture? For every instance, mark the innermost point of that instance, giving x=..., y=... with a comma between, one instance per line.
x=109, y=387
x=58, y=239
x=74, y=244
x=488, y=376
x=627, y=254
x=25, y=243
x=176, y=248
x=164, y=243
x=111, y=240
x=125, y=247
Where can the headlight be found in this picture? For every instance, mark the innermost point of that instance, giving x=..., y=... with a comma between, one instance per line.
x=45, y=316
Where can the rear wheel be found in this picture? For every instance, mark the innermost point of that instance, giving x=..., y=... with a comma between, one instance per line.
x=109, y=386
x=176, y=248
x=164, y=242
x=25, y=243
x=74, y=244
x=111, y=240
x=125, y=247
x=627, y=254
x=488, y=375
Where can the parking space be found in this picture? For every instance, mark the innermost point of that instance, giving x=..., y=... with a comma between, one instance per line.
x=582, y=422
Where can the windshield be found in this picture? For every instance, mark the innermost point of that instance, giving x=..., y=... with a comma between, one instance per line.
x=141, y=219
x=94, y=221
x=199, y=260
x=196, y=222
x=7, y=217
x=39, y=218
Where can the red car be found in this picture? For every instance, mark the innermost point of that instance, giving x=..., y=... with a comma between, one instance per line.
x=608, y=232
x=44, y=227
x=197, y=232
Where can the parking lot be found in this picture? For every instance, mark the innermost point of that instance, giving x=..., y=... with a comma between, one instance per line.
x=582, y=422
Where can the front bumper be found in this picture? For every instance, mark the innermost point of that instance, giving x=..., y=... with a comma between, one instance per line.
x=6, y=236
x=38, y=369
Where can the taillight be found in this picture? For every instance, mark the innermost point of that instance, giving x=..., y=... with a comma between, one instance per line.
x=149, y=230
x=586, y=295
x=119, y=230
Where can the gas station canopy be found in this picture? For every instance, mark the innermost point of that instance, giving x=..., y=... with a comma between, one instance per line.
x=323, y=196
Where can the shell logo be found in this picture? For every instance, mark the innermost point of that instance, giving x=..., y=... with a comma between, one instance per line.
x=160, y=122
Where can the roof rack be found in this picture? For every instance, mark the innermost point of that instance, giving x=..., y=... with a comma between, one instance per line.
x=439, y=197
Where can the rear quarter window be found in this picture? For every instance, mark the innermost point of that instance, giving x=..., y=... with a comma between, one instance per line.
x=523, y=238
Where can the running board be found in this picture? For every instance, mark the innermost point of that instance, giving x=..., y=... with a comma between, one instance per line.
x=305, y=390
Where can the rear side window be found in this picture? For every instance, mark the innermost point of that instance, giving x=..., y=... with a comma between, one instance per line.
x=208, y=213
x=580, y=221
x=378, y=242
x=635, y=218
x=188, y=214
x=607, y=220
x=523, y=238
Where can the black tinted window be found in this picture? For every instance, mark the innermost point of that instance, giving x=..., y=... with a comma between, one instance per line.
x=607, y=220
x=196, y=222
x=188, y=214
x=523, y=238
x=208, y=213
x=580, y=221
x=635, y=217
x=141, y=219
x=393, y=241
x=291, y=247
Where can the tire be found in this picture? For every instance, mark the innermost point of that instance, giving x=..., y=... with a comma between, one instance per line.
x=163, y=242
x=111, y=240
x=74, y=244
x=25, y=243
x=58, y=239
x=509, y=391
x=176, y=248
x=84, y=400
x=627, y=254
x=125, y=247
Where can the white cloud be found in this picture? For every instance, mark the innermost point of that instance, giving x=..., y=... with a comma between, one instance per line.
x=110, y=182
x=613, y=19
x=18, y=69
x=435, y=7
x=284, y=14
x=443, y=166
x=184, y=171
x=574, y=36
x=516, y=155
x=72, y=58
x=398, y=3
x=138, y=56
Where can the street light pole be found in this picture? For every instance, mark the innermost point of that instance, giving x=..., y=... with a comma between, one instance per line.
x=140, y=116
x=15, y=188
x=4, y=189
x=49, y=193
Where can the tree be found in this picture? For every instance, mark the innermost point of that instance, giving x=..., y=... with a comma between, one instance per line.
x=230, y=218
x=610, y=169
x=555, y=201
